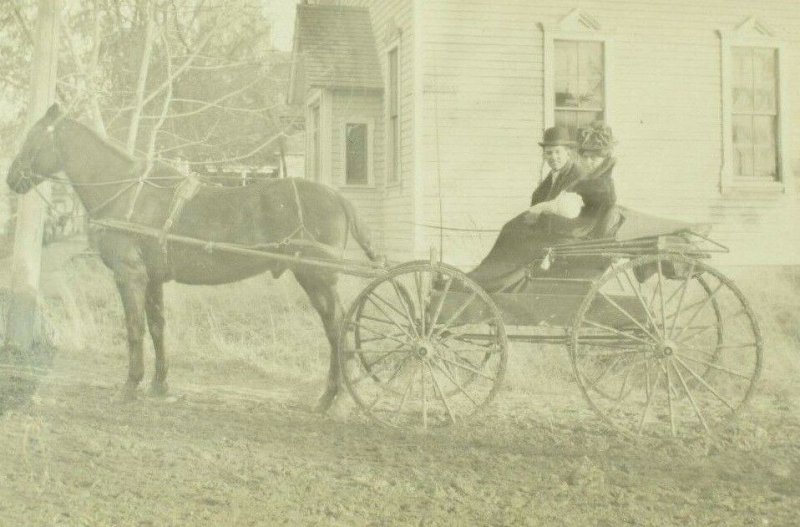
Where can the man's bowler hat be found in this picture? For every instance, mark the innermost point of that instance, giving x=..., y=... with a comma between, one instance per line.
x=557, y=136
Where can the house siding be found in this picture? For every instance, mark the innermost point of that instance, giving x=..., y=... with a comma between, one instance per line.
x=398, y=204
x=356, y=107
x=483, y=76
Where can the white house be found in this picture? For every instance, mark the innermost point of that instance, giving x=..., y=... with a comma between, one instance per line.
x=427, y=113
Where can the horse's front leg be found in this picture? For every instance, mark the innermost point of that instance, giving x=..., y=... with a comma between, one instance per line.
x=131, y=286
x=154, y=308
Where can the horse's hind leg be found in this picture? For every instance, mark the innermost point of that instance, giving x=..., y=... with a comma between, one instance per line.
x=154, y=308
x=321, y=291
x=131, y=288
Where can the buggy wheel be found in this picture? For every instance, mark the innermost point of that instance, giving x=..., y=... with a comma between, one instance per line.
x=422, y=346
x=665, y=344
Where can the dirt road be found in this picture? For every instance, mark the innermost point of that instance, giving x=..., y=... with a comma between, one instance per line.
x=237, y=444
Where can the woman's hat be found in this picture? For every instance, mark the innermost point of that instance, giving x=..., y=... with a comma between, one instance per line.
x=556, y=136
x=596, y=137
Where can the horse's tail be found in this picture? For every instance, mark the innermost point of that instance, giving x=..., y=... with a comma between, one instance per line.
x=358, y=229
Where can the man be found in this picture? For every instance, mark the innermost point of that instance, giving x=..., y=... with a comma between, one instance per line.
x=552, y=195
x=569, y=204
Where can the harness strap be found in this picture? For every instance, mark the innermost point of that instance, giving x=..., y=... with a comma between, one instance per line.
x=139, y=184
x=110, y=200
x=302, y=225
x=184, y=192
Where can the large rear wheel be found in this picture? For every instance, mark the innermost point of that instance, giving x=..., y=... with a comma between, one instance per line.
x=665, y=345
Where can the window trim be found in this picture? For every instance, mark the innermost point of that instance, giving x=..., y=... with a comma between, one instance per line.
x=389, y=156
x=319, y=98
x=576, y=26
x=370, y=123
x=753, y=34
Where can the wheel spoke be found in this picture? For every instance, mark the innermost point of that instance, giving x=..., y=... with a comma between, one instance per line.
x=704, y=383
x=691, y=398
x=372, y=373
x=702, y=330
x=439, y=304
x=456, y=314
x=651, y=389
x=669, y=400
x=442, y=396
x=423, y=307
x=699, y=309
x=449, y=376
x=639, y=296
x=604, y=372
x=424, y=396
x=401, y=328
x=628, y=316
x=405, y=305
x=663, y=303
x=612, y=330
x=376, y=319
x=349, y=353
x=715, y=366
x=407, y=390
x=462, y=366
x=684, y=286
x=617, y=354
x=463, y=331
x=383, y=336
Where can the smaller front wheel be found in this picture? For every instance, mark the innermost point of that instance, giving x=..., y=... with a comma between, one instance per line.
x=422, y=346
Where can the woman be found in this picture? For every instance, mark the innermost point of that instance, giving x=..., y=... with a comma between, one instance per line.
x=573, y=205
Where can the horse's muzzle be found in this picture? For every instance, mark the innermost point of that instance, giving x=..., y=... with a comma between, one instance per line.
x=19, y=178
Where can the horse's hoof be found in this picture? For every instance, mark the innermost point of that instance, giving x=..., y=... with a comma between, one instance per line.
x=325, y=402
x=159, y=389
x=127, y=394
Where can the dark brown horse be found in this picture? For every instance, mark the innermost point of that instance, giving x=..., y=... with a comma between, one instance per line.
x=114, y=186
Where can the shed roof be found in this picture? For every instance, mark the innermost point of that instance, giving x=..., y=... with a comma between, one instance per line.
x=334, y=47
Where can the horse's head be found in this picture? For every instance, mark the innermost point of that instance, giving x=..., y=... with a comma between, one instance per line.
x=39, y=157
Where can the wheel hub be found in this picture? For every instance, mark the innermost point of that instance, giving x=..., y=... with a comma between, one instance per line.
x=666, y=349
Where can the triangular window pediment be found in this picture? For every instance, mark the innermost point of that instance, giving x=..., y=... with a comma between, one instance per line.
x=752, y=27
x=578, y=21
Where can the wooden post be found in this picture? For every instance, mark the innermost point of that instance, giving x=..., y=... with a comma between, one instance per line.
x=27, y=259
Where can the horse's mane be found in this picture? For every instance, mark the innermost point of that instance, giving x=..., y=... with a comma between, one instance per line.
x=109, y=144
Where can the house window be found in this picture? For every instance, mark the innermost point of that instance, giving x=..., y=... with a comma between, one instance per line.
x=316, y=150
x=754, y=121
x=393, y=143
x=357, y=154
x=578, y=83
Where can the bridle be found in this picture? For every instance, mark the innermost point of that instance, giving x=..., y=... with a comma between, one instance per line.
x=127, y=183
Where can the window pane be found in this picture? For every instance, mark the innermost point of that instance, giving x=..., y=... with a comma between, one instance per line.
x=765, y=80
x=742, y=130
x=766, y=163
x=357, y=155
x=743, y=145
x=579, y=74
x=566, y=73
x=764, y=130
x=742, y=79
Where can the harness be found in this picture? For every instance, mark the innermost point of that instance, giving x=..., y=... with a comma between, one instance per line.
x=184, y=191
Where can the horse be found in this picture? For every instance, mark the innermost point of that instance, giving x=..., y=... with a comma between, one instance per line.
x=114, y=186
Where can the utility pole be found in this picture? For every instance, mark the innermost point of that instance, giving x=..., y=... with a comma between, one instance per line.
x=22, y=321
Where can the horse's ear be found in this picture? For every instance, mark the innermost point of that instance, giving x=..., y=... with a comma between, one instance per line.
x=53, y=112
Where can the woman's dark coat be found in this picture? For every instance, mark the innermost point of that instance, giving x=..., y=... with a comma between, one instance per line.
x=520, y=243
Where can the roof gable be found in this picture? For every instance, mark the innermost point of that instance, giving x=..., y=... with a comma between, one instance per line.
x=334, y=47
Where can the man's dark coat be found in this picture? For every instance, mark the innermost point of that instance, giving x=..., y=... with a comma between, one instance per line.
x=522, y=242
